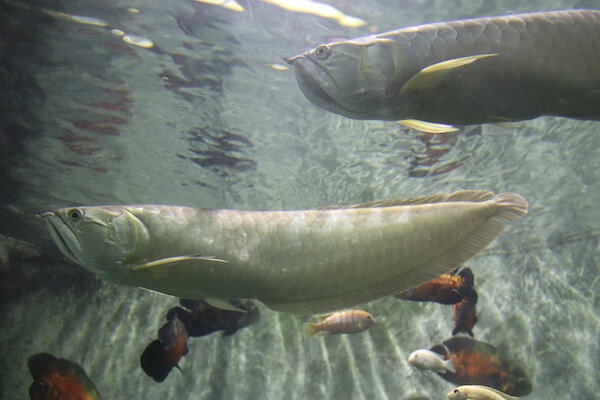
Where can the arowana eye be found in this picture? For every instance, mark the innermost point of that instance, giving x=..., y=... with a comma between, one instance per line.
x=322, y=52
x=74, y=214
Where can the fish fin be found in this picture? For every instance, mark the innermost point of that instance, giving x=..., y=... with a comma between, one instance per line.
x=155, y=291
x=427, y=127
x=311, y=329
x=510, y=207
x=41, y=364
x=174, y=260
x=449, y=365
x=230, y=331
x=461, y=195
x=40, y=391
x=432, y=75
x=223, y=305
x=506, y=124
x=440, y=349
x=322, y=317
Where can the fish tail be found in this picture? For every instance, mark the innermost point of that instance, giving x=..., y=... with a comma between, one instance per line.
x=512, y=206
x=311, y=329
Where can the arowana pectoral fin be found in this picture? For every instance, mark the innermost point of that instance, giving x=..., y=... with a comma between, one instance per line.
x=223, y=305
x=427, y=127
x=431, y=76
x=174, y=260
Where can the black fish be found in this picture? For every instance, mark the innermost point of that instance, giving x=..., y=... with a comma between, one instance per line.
x=479, y=363
x=159, y=358
x=204, y=319
x=465, y=314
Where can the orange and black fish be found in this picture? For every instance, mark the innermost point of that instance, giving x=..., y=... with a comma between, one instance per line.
x=204, y=319
x=159, y=358
x=59, y=379
x=478, y=363
x=446, y=289
x=465, y=314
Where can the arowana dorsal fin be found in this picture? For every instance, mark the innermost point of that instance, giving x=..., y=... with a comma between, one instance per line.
x=462, y=195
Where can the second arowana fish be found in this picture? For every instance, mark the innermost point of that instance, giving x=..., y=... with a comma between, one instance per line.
x=308, y=261
x=472, y=71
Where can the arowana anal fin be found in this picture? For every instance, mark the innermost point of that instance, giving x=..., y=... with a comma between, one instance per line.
x=427, y=127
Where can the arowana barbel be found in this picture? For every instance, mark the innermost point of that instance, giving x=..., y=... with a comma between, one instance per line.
x=504, y=68
x=308, y=261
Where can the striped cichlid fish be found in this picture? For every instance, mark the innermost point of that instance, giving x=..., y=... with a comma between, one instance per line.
x=308, y=261
x=339, y=322
x=506, y=68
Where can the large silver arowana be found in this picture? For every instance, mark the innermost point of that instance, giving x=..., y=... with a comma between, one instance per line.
x=505, y=68
x=308, y=261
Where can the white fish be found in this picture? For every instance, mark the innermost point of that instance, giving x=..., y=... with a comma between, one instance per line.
x=431, y=361
x=478, y=392
x=307, y=261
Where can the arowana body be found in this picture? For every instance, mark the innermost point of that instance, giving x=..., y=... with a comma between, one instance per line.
x=308, y=261
x=472, y=71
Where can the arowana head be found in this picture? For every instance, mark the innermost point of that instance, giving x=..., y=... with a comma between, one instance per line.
x=348, y=78
x=100, y=239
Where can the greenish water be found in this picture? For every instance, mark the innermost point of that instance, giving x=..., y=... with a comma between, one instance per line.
x=202, y=120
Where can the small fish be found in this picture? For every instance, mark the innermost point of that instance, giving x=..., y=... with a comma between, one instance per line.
x=345, y=321
x=305, y=261
x=59, y=379
x=204, y=319
x=480, y=363
x=428, y=360
x=159, y=358
x=482, y=70
x=465, y=314
x=446, y=289
x=317, y=8
x=478, y=392
x=232, y=5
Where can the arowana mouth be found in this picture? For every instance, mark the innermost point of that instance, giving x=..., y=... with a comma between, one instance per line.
x=51, y=222
x=313, y=90
x=308, y=83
